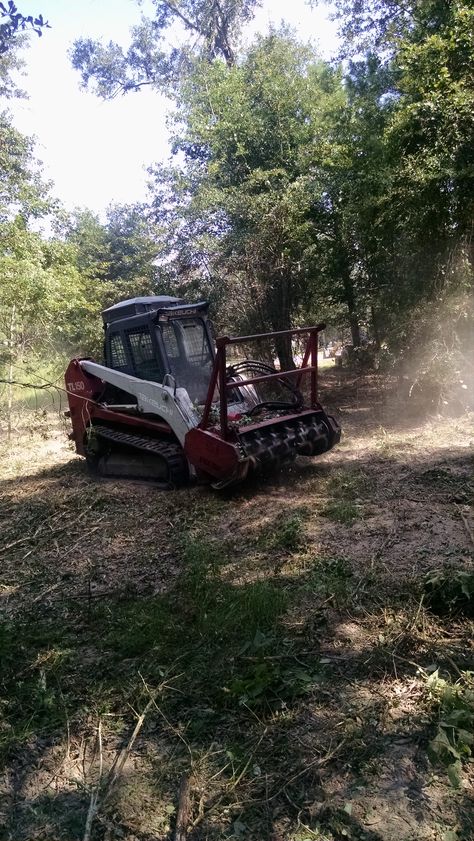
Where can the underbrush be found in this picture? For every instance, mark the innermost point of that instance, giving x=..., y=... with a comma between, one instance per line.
x=453, y=707
x=214, y=663
x=249, y=645
x=436, y=365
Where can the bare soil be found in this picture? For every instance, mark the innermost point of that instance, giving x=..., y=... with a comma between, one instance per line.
x=277, y=640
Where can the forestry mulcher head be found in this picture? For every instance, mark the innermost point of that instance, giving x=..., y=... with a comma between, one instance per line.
x=167, y=406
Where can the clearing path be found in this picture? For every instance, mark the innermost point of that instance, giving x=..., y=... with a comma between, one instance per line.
x=272, y=664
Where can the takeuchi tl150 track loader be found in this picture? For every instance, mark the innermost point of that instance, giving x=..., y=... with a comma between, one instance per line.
x=168, y=406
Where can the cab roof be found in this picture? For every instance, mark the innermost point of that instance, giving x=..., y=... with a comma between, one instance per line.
x=138, y=306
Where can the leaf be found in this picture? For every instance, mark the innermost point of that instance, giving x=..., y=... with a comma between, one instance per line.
x=465, y=736
x=441, y=744
x=433, y=679
x=348, y=808
x=454, y=774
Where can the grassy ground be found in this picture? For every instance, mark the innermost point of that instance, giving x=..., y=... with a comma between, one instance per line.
x=299, y=653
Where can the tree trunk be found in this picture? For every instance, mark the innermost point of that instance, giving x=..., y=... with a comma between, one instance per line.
x=355, y=329
x=375, y=327
x=285, y=353
x=280, y=306
x=349, y=297
x=11, y=342
x=343, y=265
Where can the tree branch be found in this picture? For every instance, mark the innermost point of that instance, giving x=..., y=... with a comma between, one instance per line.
x=169, y=5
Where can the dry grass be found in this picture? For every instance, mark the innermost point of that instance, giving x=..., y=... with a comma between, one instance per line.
x=276, y=642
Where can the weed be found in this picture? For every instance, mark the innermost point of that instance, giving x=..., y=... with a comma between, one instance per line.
x=266, y=678
x=289, y=534
x=32, y=658
x=135, y=628
x=345, y=490
x=220, y=609
x=341, y=511
x=285, y=533
x=209, y=626
x=452, y=743
x=350, y=485
x=331, y=579
x=450, y=591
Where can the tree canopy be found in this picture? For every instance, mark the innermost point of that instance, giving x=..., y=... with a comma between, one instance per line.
x=12, y=22
x=164, y=47
x=296, y=188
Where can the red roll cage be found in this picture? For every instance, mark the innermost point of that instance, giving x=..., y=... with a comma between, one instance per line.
x=219, y=376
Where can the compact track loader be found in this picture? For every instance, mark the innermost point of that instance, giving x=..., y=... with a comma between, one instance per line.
x=168, y=405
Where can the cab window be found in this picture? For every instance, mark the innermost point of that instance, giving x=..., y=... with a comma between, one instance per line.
x=145, y=364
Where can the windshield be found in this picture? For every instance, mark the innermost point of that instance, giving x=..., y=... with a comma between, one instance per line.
x=189, y=354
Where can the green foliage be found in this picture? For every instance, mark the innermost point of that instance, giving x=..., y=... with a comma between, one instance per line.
x=251, y=135
x=203, y=29
x=14, y=30
x=12, y=21
x=452, y=743
x=346, y=488
x=331, y=578
x=301, y=192
x=288, y=533
x=21, y=188
x=450, y=591
x=268, y=680
x=41, y=296
x=32, y=660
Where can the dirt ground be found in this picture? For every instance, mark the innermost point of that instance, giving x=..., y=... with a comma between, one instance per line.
x=274, y=652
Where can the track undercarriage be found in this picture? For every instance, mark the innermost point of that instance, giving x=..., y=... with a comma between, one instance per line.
x=113, y=453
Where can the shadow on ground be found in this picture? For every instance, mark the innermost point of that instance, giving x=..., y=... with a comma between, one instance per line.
x=278, y=639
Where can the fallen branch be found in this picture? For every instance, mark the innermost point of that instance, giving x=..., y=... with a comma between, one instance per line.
x=122, y=756
x=184, y=809
x=117, y=767
x=205, y=812
x=94, y=801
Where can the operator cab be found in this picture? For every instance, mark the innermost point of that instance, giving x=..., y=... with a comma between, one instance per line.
x=161, y=339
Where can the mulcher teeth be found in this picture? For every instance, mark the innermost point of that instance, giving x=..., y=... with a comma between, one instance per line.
x=309, y=436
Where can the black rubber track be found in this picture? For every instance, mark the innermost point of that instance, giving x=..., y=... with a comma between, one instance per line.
x=171, y=453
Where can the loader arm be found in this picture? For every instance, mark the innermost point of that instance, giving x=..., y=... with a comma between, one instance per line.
x=168, y=403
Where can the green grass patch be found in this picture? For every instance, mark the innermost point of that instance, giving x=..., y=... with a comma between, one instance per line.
x=349, y=485
x=285, y=533
x=331, y=579
x=346, y=490
x=202, y=629
x=341, y=511
x=33, y=657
